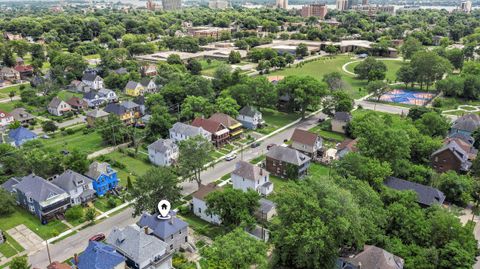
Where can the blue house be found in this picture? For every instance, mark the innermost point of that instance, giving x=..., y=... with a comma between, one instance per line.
x=103, y=176
x=99, y=256
x=17, y=137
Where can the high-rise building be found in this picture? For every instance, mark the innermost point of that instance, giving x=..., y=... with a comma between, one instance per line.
x=466, y=6
x=218, y=4
x=351, y=3
x=315, y=10
x=341, y=4
x=171, y=4
x=282, y=4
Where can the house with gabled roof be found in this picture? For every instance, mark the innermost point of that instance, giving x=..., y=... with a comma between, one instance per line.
x=134, y=88
x=78, y=186
x=127, y=111
x=104, y=177
x=149, y=70
x=348, y=145
x=41, y=197
x=455, y=154
x=141, y=250
x=58, y=107
x=371, y=257
x=307, y=142
x=247, y=176
x=25, y=71
x=99, y=255
x=171, y=230
x=220, y=133
x=426, y=195
x=17, y=137
x=233, y=125
x=466, y=124
x=250, y=117
x=21, y=115
x=95, y=115
x=199, y=204
x=181, y=131
x=163, y=152
x=10, y=184
x=10, y=74
x=77, y=103
x=5, y=118
x=149, y=85
x=92, y=80
x=340, y=122
x=286, y=162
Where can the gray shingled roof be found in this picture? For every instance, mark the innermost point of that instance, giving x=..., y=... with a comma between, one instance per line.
x=55, y=102
x=145, y=81
x=71, y=180
x=131, y=85
x=96, y=169
x=288, y=155
x=248, y=111
x=162, y=228
x=469, y=123
x=342, y=116
x=129, y=105
x=115, y=108
x=38, y=188
x=426, y=195
x=89, y=76
x=134, y=243
x=162, y=145
x=266, y=205
x=187, y=130
x=9, y=184
x=97, y=113
x=249, y=171
x=373, y=257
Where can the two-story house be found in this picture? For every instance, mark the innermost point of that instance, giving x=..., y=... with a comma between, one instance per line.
x=141, y=250
x=103, y=176
x=94, y=81
x=58, y=107
x=21, y=115
x=456, y=154
x=181, y=131
x=149, y=70
x=250, y=117
x=16, y=137
x=10, y=74
x=79, y=187
x=220, y=133
x=233, y=125
x=77, y=104
x=199, y=204
x=127, y=111
x=340, y=122
x=95, y=115
x=371, y=257
x=149, y=85
x=287, y=162
x=163, y=152
x=108, y=95
x=426, y=195
x=99, y=255
x=466, y=124
x=308, y=143
x=42, y=198
x=248, y=176
x=5, y=118
x=134, y=88
x=172, y=230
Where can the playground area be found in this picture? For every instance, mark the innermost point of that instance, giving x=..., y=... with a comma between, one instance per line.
x=407, y=97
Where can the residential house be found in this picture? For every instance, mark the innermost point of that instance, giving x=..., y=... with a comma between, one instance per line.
x=5, y=118
x=10, y=74
x=95, y=115
x=233, y=125
x=250, y=117
x=455, y=154
x=181, y=131
x=57, y=107
x=108, y=95
x=79, y=187
x=10, y=184
x=149, y=85
x=340, y=122
x=98, y=255
x=103, y=176
x=466, y=124
x=348, y=145
x=77, y=103
x=93, y=99
x=12, y=37
x=465, y=138
x=220, y=133
x=248, y=176
x=266, y=211
x=149, y=70
x=92, y=80
x=121, y=71
x=199, y=204
x=25, y=71
x=371, y=257
x=17, y=137
x=171, y=230
x=140, y=101
x=21, y=115
x=79, y=86
x=142, y=251
x=42, y=198
x=163, y=152
x=127, y=111
x=134, y=88
x=426, y=195
x=308, y=143
x=287, y=162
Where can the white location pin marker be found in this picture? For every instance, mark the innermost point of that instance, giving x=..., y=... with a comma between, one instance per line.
x=164, y=209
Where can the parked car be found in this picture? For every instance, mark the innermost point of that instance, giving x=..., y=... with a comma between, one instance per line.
x=230, y=156
x=97, y=237
x=255, y=145
x=269, y=146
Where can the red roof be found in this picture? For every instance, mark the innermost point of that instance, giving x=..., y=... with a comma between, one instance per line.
x=207, y=124
x=4, y=114
x=304, y=137
x=23, y=68
x=75, y=101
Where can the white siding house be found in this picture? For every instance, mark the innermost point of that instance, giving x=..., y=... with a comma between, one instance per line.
x=181, y=131
x=248, y=176
x=199, y=205
x=163, y=152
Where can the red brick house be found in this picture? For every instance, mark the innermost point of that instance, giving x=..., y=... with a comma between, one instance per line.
x=220, y=133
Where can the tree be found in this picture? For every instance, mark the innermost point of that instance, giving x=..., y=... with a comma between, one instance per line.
x=410, y=47
x=377, y=88
x=248, y=251
x=159, y=123
x=451, y=86
x=7, y=203
x=456, y=57
x=90, y=214
x=339, y=101
x=234, y=207
x=331, y=49
x=8, y=59
x=19, y=262
x=49, y=126
x=334, y=80
x=428, y=67
x=174, y=59
x=159, y=183
x=194, y=155
x=301, y=50
x=76, y=161
x=196, y=106
x=234, y=57
x=11, y=94
x=113, y=131
x=406, y=74
x=432, y=124
x=66, y=67
x=364, y=168
x=227, y=105
x=289, y=58
x=194, y=66
x=370, y=69
x=457, y=188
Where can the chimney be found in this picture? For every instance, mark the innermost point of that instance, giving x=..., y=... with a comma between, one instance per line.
x=146, y=229
x=261, y=171
x=75, y=258
x=171, y=220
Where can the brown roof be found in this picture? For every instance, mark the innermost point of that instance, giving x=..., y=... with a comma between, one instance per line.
x=204, y=190
x=348, y=143
x=249, y=171
x=304, y=137
x=75, y=101
x=224, y=119
x=23, y=68
x=57, y=265
x=209, y=125
x=464, y=145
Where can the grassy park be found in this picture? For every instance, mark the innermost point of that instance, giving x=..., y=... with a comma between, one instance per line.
x=392, y=67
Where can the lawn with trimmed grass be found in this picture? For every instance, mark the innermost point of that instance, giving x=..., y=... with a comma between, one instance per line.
x=102, y=204
x=392, y=68
x=325, y=65
x=275, y=119
x=92, y=56
x=134, y=167
x=209, y=67
x=21, y=216
x=449, y=103
x=5, y=92
x=66, y=95
x=323, y=130
x=85, y=143
x=10, y=247
x=202, y=227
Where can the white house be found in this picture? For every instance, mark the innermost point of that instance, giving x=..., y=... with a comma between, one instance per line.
x=307, y=142
x=58, y=107
x=250, y=117
x=149, y=85
x=199, y=205
x=5, y=118
x=93, y=81
x=79, y=187
x=163, y=152
x=181, y=131
x=248, y=176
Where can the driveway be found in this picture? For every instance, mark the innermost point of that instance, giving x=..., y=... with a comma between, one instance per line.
x=25, y=237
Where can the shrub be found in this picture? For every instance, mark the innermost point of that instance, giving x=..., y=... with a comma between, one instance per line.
x=74, y=213
x=438, y=102
x=118, y=164
x=111, y=202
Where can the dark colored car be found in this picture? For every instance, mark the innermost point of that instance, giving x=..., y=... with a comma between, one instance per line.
x=97, y=237
x=255, y=145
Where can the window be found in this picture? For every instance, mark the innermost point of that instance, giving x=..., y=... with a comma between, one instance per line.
x=171, y=237
x=199, y=210
x=186, y=239
x=171, y=246
x=32, y=209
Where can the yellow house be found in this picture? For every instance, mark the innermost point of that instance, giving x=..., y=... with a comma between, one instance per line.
x=134, y=88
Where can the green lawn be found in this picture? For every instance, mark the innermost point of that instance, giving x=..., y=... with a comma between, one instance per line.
x=10, y=247
x=208, y=69
x=449, y=103
x=9, y=106
x=102, y=203
x=21, y=216
x=275, y=119
x=202, y=227
x=325, y=65
x=392, y=68
x=65, y=95
x=86, y=143
x=5, y=92
x=321, y=130
x=134, y=167
x=91, y=57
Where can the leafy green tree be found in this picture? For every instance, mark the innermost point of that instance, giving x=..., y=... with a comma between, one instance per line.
x=7, y=203
x=156, y=184
x=377, y=88
x=194, y=66
x=90, y=214
x=194, y=155
x=234, y=57
x=433, y=124
x=456, y=57
x=410, y=47
x=20, y=262
x=66, y=67
x=339, y=101
x=159, y=123
x=76, y=161
x=428, y=67
x=227, y=105
x=371, y=69
x=49, y=126
x=451, y=86
x=196, y=106
x=174, y=59
x=113, y=131
x=364, y=168
x=334, y=80
x=406, y=74
x=457, y=188
x=248, y=251
x=301, y=50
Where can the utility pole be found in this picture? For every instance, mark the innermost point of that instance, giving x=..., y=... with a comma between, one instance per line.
x=48, y=253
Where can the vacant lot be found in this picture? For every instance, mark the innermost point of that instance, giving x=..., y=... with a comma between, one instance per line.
x=85, y=143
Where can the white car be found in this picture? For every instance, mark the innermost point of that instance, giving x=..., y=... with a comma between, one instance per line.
x=230, y=156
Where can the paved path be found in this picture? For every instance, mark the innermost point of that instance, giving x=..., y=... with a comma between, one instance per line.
x=344, y=67
x=80, y=119
x=25, y=237
x=105, y=151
